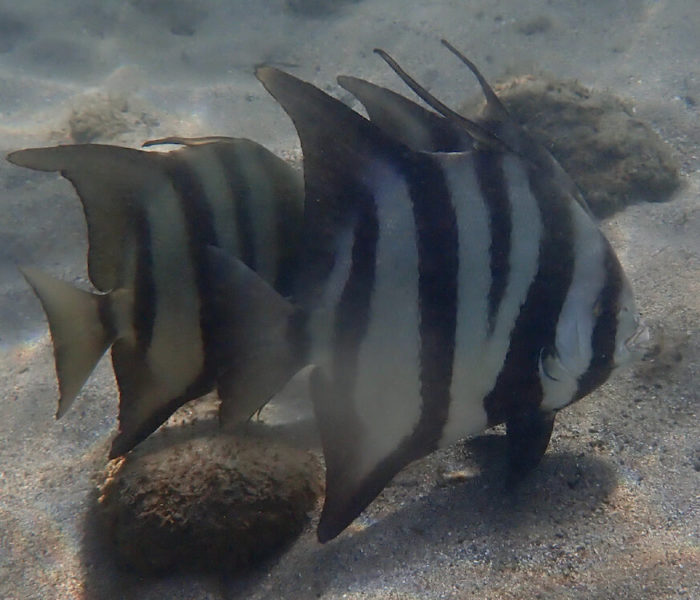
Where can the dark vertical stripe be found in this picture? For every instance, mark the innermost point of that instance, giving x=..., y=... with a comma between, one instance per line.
x=145, y=293
x=444, y=136
x=352, y=314
x=518, y=389
x=438, y=265
x=489, y=173
x=341, y=426
x=239, y=187
x=288, y=215
x=201, y=233
x=605, y=328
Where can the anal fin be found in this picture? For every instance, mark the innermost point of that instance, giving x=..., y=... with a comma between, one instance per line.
x=253, y=338
x=354, y=475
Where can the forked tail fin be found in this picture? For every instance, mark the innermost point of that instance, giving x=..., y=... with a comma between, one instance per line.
x=79, y=330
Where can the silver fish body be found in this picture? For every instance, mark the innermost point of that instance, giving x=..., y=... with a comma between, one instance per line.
x=445, y=291
x=151, y=217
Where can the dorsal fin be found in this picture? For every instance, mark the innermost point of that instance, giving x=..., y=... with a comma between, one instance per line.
x=494, y=107
x=415, y=126
x=499, y=130
x=110, y=180
x=333, y=164
x=482, y=135
x=501, y=123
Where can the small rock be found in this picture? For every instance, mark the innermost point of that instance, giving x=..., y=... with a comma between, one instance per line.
x=98, y=117
x=614, y=158
x=210, y=503
x=106, y=117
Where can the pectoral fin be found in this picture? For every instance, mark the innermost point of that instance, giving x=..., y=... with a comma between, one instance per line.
x=528, y=438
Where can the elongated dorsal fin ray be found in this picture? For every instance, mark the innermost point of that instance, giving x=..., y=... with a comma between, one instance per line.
x=495, y=108
x=482, y=135
x=80, y=337
x=252, y=340
x=188, y=141
x=415, y=126
x=501, y=123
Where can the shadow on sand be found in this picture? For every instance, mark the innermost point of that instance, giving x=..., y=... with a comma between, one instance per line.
x=104, y=577
x=475, y=519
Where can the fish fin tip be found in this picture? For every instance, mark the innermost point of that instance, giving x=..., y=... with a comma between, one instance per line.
x=353, y=478
x=494, y=105
x=32, y=158
x=265, y=72
x=121, y=446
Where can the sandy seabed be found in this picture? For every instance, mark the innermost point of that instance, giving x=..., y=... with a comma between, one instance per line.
x=613, y=511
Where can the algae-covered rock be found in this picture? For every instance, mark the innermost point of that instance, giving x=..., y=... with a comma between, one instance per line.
x=103, y=118
x=214, y=502
x=615, y=158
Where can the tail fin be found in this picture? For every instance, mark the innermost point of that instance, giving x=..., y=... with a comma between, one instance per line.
x=253, y=337
x=80, y=336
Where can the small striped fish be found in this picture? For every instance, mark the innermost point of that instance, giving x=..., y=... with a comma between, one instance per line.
x=452, y=279
x=150, y=218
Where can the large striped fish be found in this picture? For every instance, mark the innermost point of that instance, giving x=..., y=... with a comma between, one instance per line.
x=150, y=217
x=452, y=279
